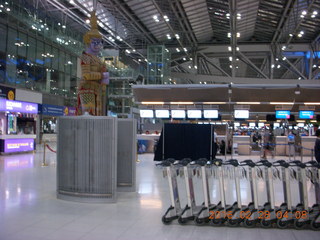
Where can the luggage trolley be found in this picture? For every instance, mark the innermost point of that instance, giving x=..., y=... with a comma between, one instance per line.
x=174, y=211
x=308, y=216
x=203, y=215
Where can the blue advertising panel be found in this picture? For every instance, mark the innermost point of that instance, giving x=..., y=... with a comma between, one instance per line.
x=282, y=114
x=52, y=110
x=306, y=114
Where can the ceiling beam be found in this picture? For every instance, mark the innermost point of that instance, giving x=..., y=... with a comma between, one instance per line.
x=247, y=61
x=221, y=79
x=214, y=65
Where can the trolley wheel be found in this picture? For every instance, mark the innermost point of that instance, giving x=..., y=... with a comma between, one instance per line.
x=282, y=224
x=249, y=223
x=298, y=224
x=315, y=225
x=266, y=224
x=199, y=221
x=182, y=220
x=217, y=222
x=233, y=222
x=165, y=220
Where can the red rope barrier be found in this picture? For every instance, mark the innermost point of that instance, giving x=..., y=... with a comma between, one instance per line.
x=50, y=148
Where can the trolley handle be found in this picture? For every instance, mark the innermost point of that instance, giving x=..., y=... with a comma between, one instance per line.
x=164, y=163
x=248, y=162
x=233, y=162
x=297, y=163
x=312, y=164
x=265, y=163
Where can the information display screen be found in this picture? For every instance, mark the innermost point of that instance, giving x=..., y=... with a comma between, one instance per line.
x=178, y=113
x=146, y=113
x=194, y=114
x=210, y=114
x=306, y=114
x=242, y=114
x=282, y=114
x=162, y=114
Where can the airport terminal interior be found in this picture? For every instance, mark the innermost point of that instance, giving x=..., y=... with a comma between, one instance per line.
x=159, y=119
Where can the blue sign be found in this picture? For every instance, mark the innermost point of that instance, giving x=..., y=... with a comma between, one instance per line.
x=52, y=110
x=17, y=106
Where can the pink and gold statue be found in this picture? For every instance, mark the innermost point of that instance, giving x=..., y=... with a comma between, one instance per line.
x=92, y=87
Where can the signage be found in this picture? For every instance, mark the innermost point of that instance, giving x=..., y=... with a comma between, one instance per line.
x=52, y=110
x=162, y=114
x=241, y=114
x=306, y=114
x=69, y=111
x=7, y=93
x=282, y=114
x=178, y=113
x=194, y=113
x=146, y=113
x=17, y=106
x=18, y=145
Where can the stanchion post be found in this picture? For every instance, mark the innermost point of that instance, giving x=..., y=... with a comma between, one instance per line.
x=44, y=164
x=312, y=154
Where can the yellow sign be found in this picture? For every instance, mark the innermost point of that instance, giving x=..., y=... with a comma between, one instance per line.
x=11, y=95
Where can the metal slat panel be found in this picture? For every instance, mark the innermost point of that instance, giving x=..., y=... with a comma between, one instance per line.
x=86, y=159
x=127, y=154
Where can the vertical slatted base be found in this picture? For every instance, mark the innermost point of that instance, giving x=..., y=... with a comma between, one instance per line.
x=87, y=159
x=127, y=154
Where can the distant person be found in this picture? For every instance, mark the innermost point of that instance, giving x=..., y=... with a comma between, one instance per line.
x=317, y=146
x=268, y=144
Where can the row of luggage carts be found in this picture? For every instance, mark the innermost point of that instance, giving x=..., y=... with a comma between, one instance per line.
x=228, y=208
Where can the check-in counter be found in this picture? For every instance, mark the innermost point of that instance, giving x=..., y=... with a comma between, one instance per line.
x=281, y=142
x=243, y=143
x=146, y=142
x=17, y=143
x=307, y=144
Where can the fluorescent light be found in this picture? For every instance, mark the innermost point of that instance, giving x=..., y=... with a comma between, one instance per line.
x=177, y=103
x=312, y=103
x=282, y=103
x=155, y=103
x=214, y=102
x=248, y=102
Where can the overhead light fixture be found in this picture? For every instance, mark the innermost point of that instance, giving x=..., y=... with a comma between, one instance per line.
x=155, y=103
x=312, y=103
x=230, y=48
x=282, y=103
x=304, y=12
x=196, y=67
x=284, y=58
x=230, y=89
x=229, y=35
x=238, y=34
x=230, y=59
x=300, y=35
x=302, y=32
x=178, y=50
x=168, y=36
x=278, y=66
x=252, y=103
x=290, y=35
x=185, y=49
x=178, y=103
x=177, y=36
x=184, y=59
x=272, y=65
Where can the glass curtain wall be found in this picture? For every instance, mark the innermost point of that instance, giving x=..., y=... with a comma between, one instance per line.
x=29, y=61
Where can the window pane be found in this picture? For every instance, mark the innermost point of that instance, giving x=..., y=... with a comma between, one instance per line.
x=3, y=38
x=32, y=49
x=39, y=53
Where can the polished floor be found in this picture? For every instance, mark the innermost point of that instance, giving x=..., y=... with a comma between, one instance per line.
x=29, y=209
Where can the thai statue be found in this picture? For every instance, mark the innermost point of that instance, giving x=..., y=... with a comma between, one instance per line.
x=94, y=78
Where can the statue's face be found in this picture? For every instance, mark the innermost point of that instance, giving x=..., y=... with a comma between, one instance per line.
x=95, y=45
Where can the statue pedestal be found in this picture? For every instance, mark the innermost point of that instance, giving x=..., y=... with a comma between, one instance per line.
x=87, y=159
